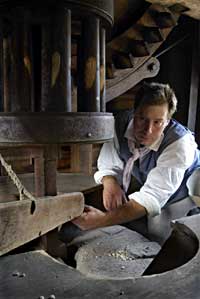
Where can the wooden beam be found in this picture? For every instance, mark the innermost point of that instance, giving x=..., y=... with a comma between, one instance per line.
x=194, y=85
x=75, y=158
x=25, y=220
x=86, y=158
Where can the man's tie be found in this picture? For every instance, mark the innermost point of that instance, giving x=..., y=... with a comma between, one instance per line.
x=137, y=153
x=128, y=169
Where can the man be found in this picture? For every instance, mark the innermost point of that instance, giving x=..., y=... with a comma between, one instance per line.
x=159, y=153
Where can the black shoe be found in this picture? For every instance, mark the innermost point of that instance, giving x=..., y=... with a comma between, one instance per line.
x=194, y=211
x=69, y=231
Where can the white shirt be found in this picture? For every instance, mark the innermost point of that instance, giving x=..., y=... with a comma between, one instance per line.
x=162, y=181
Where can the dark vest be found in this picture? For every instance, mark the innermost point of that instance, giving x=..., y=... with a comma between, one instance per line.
x=172, y=132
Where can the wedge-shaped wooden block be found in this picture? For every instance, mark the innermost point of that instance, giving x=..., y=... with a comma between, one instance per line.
x=139, y=48
x=109, y=71
x=164, y=19
x=25, y=220
x=152, y=34
x=178, y=8
x=122, y=60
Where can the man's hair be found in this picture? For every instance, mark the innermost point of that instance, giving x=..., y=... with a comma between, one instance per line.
x=156, y=94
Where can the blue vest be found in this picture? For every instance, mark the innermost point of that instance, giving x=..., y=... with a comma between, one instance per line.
x=172, y=132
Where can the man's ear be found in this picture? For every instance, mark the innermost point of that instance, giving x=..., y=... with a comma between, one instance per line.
x=167, y=122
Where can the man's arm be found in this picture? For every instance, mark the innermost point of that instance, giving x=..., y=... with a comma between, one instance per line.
x=109, y=162
x=113, y=195
x=110, y=170
x=93, y=218
x=164, y=180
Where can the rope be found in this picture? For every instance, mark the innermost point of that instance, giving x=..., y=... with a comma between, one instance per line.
x=20, y=187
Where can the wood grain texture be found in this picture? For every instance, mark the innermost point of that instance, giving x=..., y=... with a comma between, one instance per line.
x=23, y=221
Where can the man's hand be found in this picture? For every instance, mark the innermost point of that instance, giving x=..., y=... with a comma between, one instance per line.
x=91, y=218
x=113, y=195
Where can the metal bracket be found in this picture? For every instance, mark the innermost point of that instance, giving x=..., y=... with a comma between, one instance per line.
x=129, y=79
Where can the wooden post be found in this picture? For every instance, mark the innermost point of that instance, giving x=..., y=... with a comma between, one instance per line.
x=6, y=74
x=103, y=70
x=89, y=88
x=39, y=174
x=86, y=159
x=50, y=170
x=1, y=67
x=56, y=62
x=194, y=86
x=58, y=91
x=68, y=61
x=45, y=67
x=75, y=158
x=20, y=67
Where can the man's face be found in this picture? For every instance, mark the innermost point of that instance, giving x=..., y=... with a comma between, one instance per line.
x=149, y=123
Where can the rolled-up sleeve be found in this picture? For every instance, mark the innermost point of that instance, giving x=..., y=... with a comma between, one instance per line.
x=163, y=180
x=109, y=163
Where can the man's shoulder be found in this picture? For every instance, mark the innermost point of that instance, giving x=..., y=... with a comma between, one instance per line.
x=174, y=131
x=176, y=128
